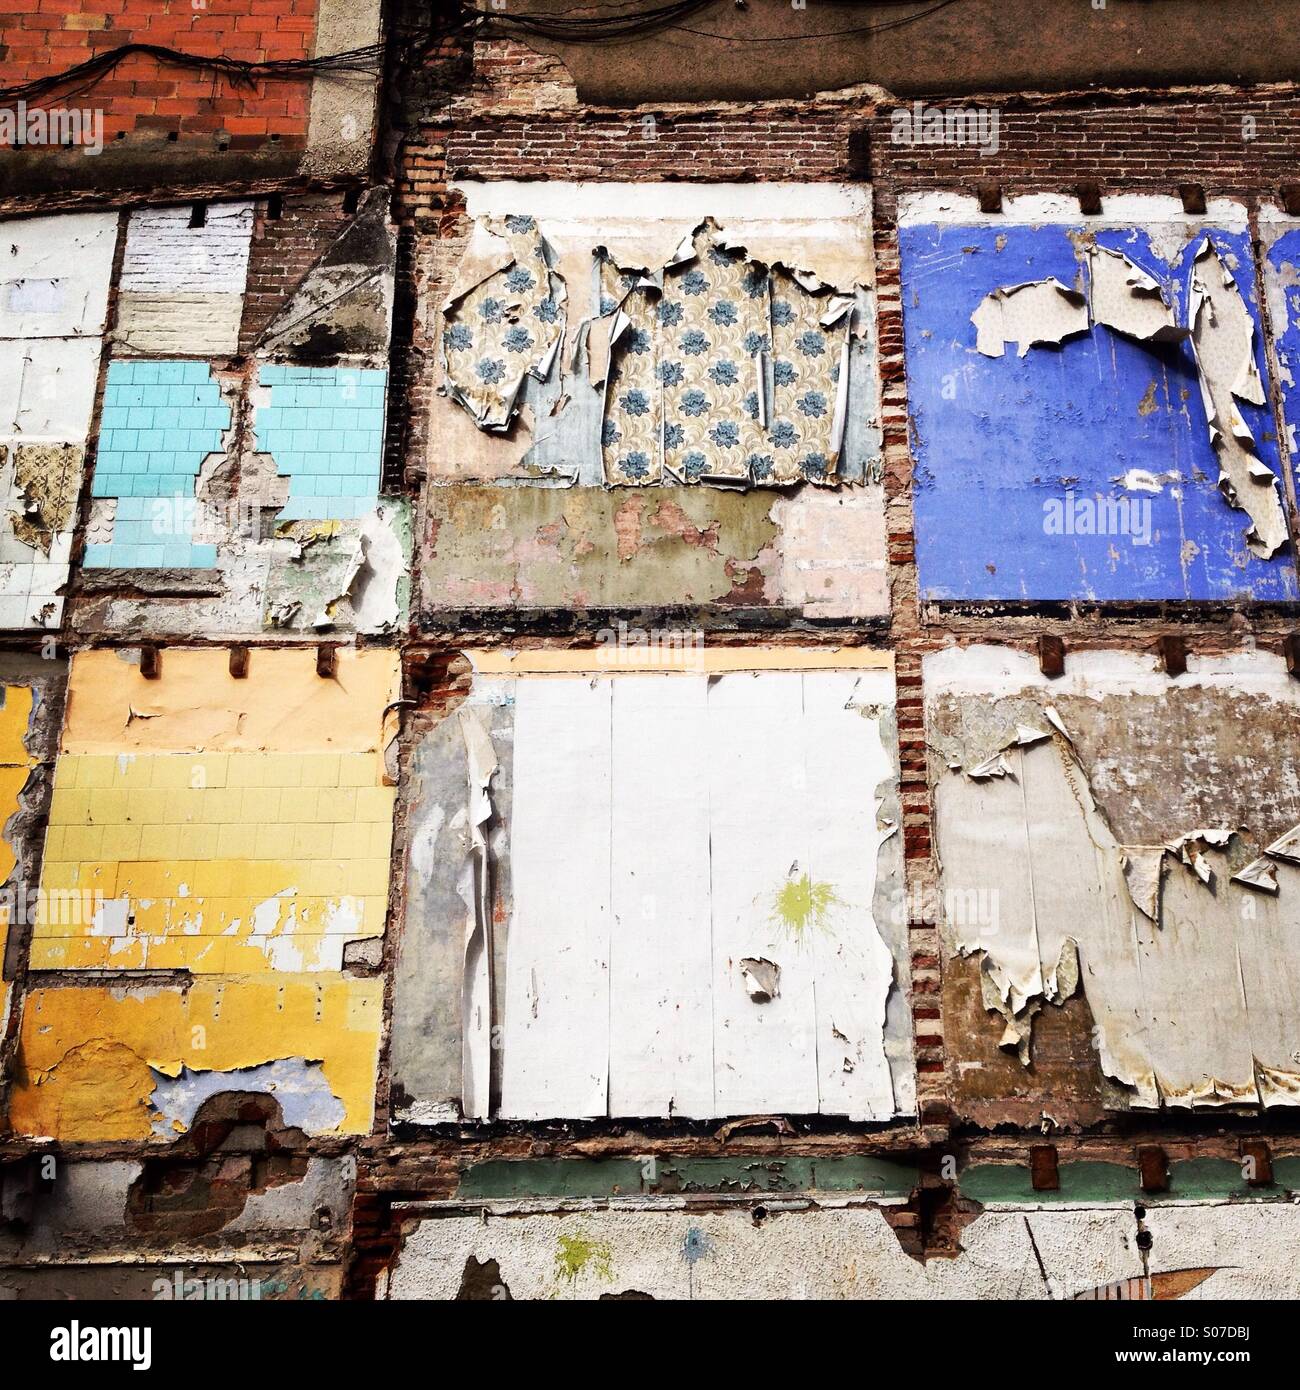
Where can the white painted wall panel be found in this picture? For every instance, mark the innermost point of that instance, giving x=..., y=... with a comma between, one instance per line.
x=54, y=274
x=661, y=1019
x=556, y=1059
x=845, y=762
x=765, y=1055
x=182, y=287
x=665, y=828
x=47, y=388
x=164, y=253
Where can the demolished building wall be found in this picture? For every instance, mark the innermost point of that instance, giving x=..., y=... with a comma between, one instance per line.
x=527, y=637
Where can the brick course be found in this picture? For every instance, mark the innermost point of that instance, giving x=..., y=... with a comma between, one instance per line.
x=283, y=250
x=142, y=96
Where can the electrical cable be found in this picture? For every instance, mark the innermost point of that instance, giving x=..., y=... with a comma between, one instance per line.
x=239, y=72
x=901, y=22
x=605, y=28
x=561, y=26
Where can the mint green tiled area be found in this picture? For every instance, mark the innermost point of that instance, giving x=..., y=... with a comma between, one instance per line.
x=324, y=427
x=160, y=420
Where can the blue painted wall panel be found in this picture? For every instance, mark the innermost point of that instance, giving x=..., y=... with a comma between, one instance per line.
x=994, y=439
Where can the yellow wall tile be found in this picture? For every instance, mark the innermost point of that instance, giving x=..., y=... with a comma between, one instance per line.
x=236, y=841
x=275, y=841
x=298, y=804
x=246, y=771
x=192, y=841
x=131, y=772
x=282, y=770
x=320, y=770
x=60, y=874
x=350, y=841
x=88, y=772
x=359, y=770
x=225, y=860
x=325, y=878
x=375, y=803
x=337, y=804
x=147, y=808
x=83, y=841
x=259, y=805
x=159, y=841
x=368, y=876
x=69, y=807
x=311, y=841
x=120, y=841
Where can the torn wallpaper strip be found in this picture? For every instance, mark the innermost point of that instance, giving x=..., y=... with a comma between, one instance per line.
x=1190, y=986
x=504, y=327
x=732, y=373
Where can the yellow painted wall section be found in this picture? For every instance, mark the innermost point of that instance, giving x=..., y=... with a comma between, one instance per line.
x=85, y=1054
x=218, y=825
x=197, y=706
x=214, y=862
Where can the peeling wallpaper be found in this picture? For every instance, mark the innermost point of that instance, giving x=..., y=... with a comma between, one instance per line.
x=658, y=346
x=693, y=347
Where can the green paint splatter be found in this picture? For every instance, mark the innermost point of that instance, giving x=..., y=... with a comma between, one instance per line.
x=574, y=1254
x=801, y=904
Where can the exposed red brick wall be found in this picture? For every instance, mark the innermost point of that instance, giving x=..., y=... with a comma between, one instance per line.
x=42, y=37
x=283, y=250
x=1234, y=144
x=766, y=142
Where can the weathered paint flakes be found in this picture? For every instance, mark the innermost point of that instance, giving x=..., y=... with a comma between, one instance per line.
x=1189, y=982
x=91, y=1057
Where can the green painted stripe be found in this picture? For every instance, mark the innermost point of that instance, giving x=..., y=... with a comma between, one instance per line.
x=1200, y=1179
x=848, y=1173
x=510, y=1179
x=1080, y=1182
x=552, y=1177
